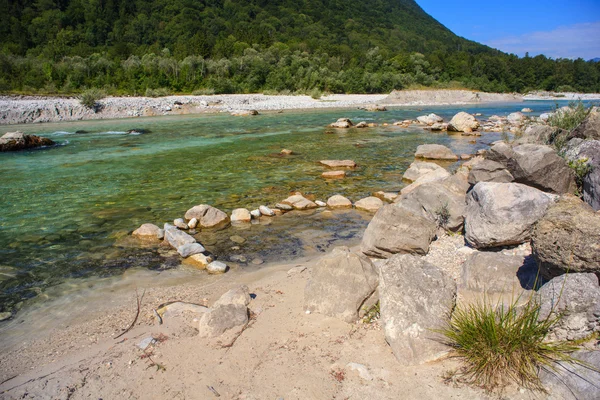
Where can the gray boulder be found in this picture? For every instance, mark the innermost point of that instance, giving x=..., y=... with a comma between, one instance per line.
x=463, y=122
x=489, y=171
x=177, y=238
x=501, y=214
x=221, y=319
x=208, y=216
x=576, y=299
x=567, y=238
x=418, y=169
x=574, y=381
x=588, y=129
x=340, y=284
x=415, y=296
x=535, y=165
x=396, y=229
x=587, y=152
x=540, y=134
x=189, y=249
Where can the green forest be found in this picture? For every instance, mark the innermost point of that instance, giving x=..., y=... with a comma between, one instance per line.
x=158, y=47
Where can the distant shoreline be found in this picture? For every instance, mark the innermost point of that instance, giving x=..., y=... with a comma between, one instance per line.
x=38, y=109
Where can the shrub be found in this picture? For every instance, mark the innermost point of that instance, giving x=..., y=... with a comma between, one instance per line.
x=581, y=168
x=500, y=344
x=90, y=97
x=160, y=92
x=569, y=118
x=203, y=92
x=442, y=216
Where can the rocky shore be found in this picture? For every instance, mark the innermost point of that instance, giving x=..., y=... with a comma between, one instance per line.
x=518, y=220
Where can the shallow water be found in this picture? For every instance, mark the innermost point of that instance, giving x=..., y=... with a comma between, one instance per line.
x=67, y=210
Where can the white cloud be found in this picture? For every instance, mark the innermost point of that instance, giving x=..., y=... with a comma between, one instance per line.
x=574, y=41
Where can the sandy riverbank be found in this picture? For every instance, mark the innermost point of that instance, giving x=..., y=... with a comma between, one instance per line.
x=24, y=110
x=284, y=353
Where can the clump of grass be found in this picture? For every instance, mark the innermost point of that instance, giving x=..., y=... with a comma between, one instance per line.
x=203, y=92
x=501, y=344
x=372, y=314
x=581, y=168
x=569, y=119
x=89, y=98
x=442, y=216
x=159, y=92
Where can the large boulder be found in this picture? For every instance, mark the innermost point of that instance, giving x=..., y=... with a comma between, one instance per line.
x=440, y=202
x=540, y=134
x=576, y=299
x=463, y=122
x=419, y=168
x=567, y=238
x=415, y=297
x=501, y=214
x=396, y=229
x=13, y=141
x=435, y=152
x=589, y=129
x=535, y=165
x=177, y=238
x=340, y=284
x=489, y=171
x=574, y=381
x=208, y=216
x=587, y=153
x=433, y=176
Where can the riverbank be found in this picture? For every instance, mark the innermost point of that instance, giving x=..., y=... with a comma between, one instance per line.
x=34, y=109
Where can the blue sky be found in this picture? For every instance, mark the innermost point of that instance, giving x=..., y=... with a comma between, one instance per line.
x=567, y=28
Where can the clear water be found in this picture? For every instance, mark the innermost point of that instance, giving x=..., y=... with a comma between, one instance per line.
x=66, y=211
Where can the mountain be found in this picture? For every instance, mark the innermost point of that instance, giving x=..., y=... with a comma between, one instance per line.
x=156, y=47
x=597, y=59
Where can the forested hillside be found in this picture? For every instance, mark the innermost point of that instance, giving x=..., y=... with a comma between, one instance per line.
x=160, y=46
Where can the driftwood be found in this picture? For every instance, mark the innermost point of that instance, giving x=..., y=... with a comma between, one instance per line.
x=137, y=314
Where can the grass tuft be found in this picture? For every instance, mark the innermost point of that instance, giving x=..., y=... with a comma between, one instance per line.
x=502, y=344
x=90, y=98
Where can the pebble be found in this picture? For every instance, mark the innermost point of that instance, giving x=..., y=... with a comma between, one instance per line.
x=334, y=174
x=257, y=261
x=144, y=343
x=238, y=258
x=284, y=207
x=180, y=223
x=266, y=211
x=320, y=203
x=255, y=213
x=216, y=267
x=237, y=239
x=193, y=223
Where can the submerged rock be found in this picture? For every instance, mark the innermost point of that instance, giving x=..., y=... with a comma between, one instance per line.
x=177, y=238
x=334, y=174
x=338, y=163
x=435, y=152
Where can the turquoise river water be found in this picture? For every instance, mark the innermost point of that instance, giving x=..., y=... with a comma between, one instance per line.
x=67, y=211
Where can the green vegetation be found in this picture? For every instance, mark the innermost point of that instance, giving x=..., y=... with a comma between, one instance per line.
x=90, y=97
x=569, y=118
x=581, y=168
x=127, y=47
x=504, y=344
x=442, y=216
x=372, y=314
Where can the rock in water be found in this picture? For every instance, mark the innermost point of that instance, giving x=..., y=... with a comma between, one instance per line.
x=193, y=223
x=463, y=122
x=244, y=113
x=369, y=204
x=435, y=152
x=420, y=168
x=502, y=214
x=340, y=284
x=397, y=230
x=415, y=297
x=199, y=260
x=216, y=267
x=14, y=141
x=177, y=238
x=147, y=231
x=266, y=211
x=338, y=163
x=189, y=249
x=180, y=224
x=208, y=216
x=342, y=123
x=576, y=298
x=299, y=202
x=334, y=174
x=567, y=238
x=338, y=201
x=433, y=176
x=430, y=119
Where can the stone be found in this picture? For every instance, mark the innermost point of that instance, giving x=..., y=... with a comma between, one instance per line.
x=369, y=204
x=574, y=381
x=439, y=127
x=342, y=123
x=462, y=122
x=540, y=134
x=14, y=141
x=190, y=249
x=386, y=196
x=397, y=230
x=221, y=319
x=299, y=202
x=415, y=296
x=587, y=152
x=503, y=214
x=338, y=201
x=466, y=157
x=240, y=215
x=199, y=260
x=5, y=316
x=433, y=176
x=375, y=107
x=489, y=171
x=589, y=129
x=567, y=238
x=516, y=118
x=419, y=168
x=244, y=113
x=238, y=258
x=266, y=211
x=216, y=267
x=320, y=203
x=146, y=231
x=334, y=174
x=362, y=371
x=526, y=110
x=284, y=207
x=181, y=224
x=338, y=163
x=257, y=261
x=340, y=283
x=362, y=124
x=255, y=214
x=193, y=223
x=239, y=295
x=440, y=202
x=208, y=216
x=535, y=165
x=576, y=298
x=237, y=239
x=430, y=119
x=177, y=238
x=435, y=152
x=286, y=152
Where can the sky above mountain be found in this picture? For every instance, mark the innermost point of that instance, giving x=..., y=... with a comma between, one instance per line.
x=555, y=28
